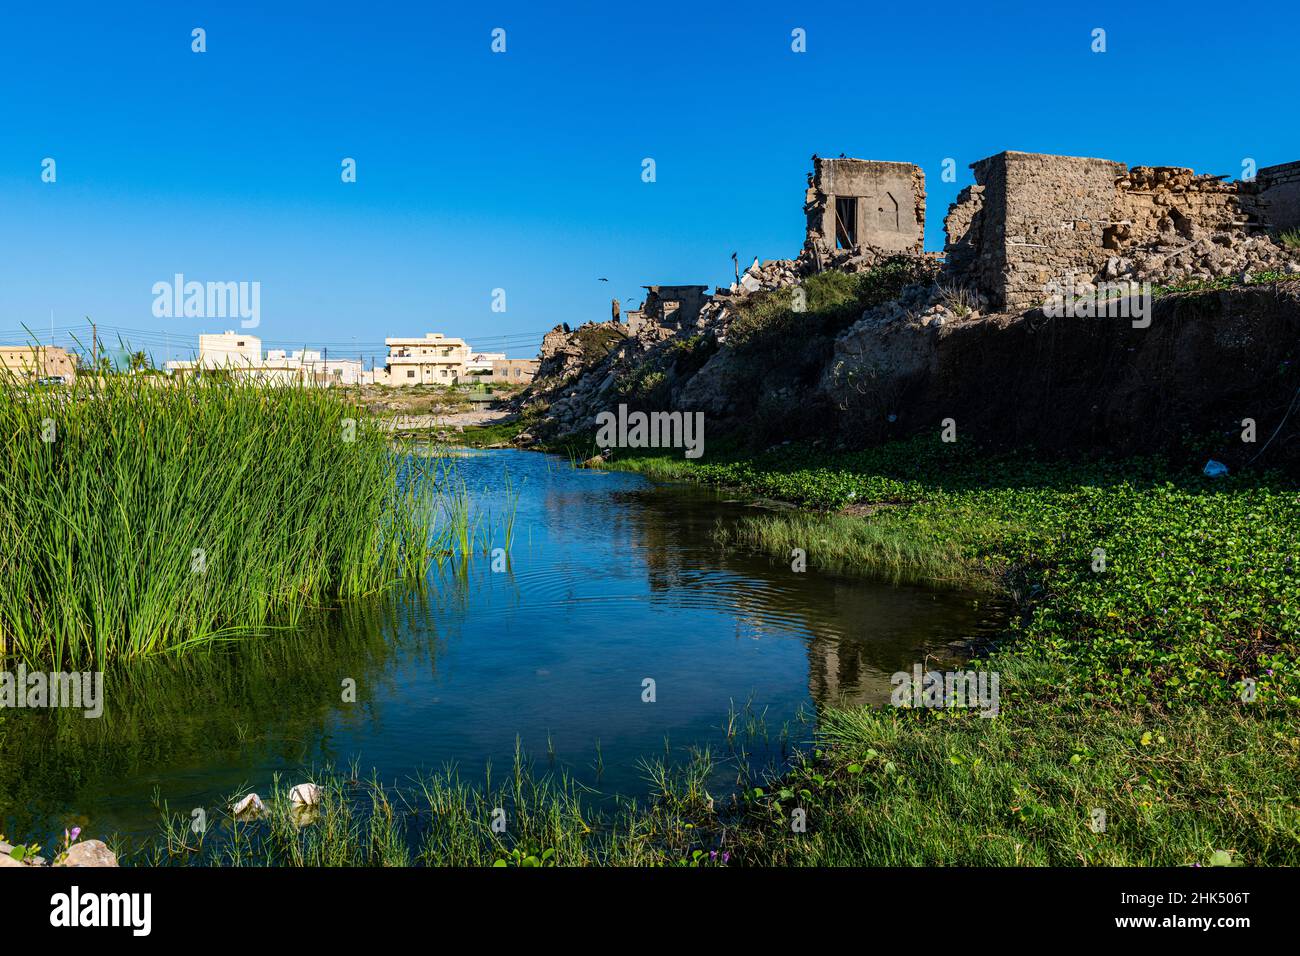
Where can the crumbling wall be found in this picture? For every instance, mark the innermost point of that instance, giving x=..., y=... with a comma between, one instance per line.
x=884, y=202
x=964, y=226
x=1276, y=197
x=1164, y=203
x=566, y=352
x=1032, y=220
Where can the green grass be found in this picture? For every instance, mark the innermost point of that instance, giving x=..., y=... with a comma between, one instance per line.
x=901, y=549
x=893, y=787
x=832, y=302
x=1290, y=238
x=497, y=433
x=139, y=519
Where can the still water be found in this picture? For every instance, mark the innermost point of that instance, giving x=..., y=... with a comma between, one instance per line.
x=612, y=579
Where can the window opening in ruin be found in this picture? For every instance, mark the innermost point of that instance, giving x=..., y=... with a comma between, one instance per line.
x=846, y=222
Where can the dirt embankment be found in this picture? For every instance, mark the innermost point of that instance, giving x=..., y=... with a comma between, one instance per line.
x=1207, y=363
x=1205, y=366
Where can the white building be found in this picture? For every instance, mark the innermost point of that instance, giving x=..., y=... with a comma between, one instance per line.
x=480, y=363
x=242, y=354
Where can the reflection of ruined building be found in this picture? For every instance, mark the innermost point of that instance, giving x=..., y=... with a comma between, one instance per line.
x=1032, y=219
x=668, y=306
x=854, y=204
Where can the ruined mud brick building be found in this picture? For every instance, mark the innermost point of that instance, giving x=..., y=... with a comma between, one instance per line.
x=854, y=204
x=668, y=307
x=1032, y=219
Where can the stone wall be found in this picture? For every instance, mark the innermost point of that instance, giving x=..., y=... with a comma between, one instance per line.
x=1156, y=204
x=1277, y=196
x=1031, y=219
x=884, y=205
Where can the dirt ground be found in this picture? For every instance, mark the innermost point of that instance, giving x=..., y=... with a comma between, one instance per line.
x=446, y=419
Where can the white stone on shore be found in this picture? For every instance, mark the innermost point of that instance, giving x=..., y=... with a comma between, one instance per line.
x=250, y=804
x=305, y=795
x=89, y=853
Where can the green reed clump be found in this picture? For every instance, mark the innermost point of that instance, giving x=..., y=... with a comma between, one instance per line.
x=140, y=516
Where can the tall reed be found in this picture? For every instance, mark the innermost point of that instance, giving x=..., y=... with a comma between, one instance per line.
x=141, y=516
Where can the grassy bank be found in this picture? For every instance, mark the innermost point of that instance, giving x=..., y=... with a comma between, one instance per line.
x=137, y=520
x=1151, y=671
x=521, y=817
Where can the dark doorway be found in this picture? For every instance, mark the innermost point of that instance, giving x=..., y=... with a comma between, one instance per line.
x=846, y=222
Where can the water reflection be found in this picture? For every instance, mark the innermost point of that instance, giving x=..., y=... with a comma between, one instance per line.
x=610, y=580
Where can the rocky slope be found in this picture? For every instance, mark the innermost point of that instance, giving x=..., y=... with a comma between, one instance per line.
x=883, y=347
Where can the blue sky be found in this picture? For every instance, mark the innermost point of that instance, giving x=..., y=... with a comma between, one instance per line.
x=522, y=170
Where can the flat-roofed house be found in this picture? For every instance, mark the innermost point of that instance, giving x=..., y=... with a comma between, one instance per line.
x=33, y=362
x=433, y=359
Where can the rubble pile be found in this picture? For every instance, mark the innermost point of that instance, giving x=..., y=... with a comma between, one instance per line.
x=565, y=352
x=1209, y=256
x=1172, y=225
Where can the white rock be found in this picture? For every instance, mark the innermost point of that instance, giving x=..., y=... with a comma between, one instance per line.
x=250, y=804
x=89, y=853
x=305, y=795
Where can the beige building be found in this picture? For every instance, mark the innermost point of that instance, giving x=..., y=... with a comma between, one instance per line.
x=514, y=371
x=32, y=362
x=432, y=359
